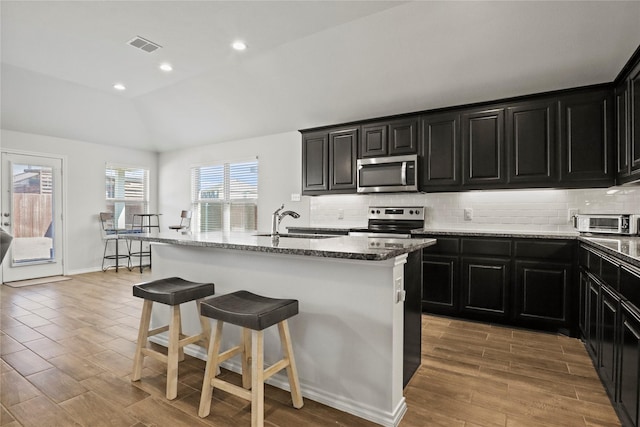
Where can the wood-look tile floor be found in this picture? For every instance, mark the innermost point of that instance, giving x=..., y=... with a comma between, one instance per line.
x=66, y=354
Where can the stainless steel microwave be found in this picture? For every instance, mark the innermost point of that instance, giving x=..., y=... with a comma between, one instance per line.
x=388, y=174
x=625, y=224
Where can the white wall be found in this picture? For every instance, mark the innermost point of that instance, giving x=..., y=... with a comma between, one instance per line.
x=84, y=166
x=279, y=175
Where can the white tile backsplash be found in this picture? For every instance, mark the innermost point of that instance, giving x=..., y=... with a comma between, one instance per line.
x=545, y=210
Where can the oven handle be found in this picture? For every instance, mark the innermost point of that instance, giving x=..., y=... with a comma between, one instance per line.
x=380, y=235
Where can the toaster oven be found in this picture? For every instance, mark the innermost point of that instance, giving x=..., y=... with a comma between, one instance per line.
x=625, y=224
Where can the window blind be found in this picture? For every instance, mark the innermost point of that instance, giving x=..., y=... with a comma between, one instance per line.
x=225, y=196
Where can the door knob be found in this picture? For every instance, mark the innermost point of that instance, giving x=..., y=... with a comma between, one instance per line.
x=6, y=214
x=6, y=224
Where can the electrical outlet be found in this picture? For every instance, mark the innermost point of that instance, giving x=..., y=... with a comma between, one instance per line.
x=571, y=213
x=295, y=197
x=468, y=214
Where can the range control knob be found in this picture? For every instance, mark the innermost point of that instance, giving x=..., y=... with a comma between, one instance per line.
x=417, y=212
x=378, y=211
x=411, y=212
x=373, y=211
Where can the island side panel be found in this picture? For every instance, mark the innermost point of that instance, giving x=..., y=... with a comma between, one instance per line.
x=348, y=336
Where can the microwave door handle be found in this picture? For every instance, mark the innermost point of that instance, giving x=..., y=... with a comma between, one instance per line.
x=403, y=173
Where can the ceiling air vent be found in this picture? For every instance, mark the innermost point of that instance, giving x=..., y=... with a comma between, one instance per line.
x=144, y=44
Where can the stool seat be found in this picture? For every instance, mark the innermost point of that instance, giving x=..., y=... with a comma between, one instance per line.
x=172, y=290
x=249, y=310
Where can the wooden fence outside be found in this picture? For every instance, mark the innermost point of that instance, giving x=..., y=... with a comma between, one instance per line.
x=32, y=214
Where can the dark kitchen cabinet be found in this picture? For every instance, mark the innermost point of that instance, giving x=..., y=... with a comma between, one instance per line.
x=440, y=277
x=583, y=303
x=483, y=148
x=593, y=304
x=629, y=387
x=329, y=161
x=586, y=138
x=391, y=138
x=608, y=333
x=343, y=154
x=441, y=151
x=315, y=162
x=634, y=118
x=543, y=284
x=531, y=142
x=485, y=287
x=623, y=148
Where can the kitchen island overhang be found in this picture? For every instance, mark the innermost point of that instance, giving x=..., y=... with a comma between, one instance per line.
x=348, y=336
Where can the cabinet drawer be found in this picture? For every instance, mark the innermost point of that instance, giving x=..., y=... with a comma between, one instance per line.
x=444, y=245
x=497, y=247
x=590, y=261
x=609, y=272
x=630, y=285
x=557, y=251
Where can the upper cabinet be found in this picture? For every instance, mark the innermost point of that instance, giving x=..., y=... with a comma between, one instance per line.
x=315, y=162
x=329, y=161
x=483, y=154
x=389, y=138
x=586, y=138
x=621, y=105
x=634, y=118
x=531, y=142
x=441, y=151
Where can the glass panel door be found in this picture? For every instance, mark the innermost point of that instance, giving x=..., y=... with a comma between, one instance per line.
x=31, y=208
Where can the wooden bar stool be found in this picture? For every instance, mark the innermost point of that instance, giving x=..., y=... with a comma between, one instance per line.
x=253, y=313
x=172, y=291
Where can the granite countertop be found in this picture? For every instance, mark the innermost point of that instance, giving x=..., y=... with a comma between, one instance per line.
x=345, y=247
x=624, y=248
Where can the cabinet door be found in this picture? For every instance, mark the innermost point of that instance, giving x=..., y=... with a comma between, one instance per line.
x=373, y=141
x=440, y=147
x=343, y=155
x=586, y=139
x=629, y=363
x=485, y=287
x=531, y=142
x=583, y=304
x=593, y=316
x=609, y=312
x=315, y=162
x=440, y=284
x=634, y=117
x=403, y=136
x=483, y=148
x=622, y=130
x=542, y=292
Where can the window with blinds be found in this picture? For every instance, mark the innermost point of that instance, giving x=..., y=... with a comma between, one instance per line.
x=225, y=196
x=127, y=192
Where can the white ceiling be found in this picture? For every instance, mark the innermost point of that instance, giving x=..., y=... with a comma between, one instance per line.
x=309, y=63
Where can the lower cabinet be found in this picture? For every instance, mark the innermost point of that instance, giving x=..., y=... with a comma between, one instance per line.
x=485, y=287
x=523, y=282
x=629, y=386
x=610, y=326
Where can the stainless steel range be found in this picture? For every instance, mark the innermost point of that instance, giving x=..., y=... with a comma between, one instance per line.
x=394, y=222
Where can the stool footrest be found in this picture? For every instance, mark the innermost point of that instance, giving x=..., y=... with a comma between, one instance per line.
x=275, y=368
x=161, y=357
x=229, y=353
x=231, y=388
x=190, y=340
x=157, y=331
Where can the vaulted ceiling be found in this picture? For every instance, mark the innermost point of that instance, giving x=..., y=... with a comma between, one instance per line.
x=308, y=63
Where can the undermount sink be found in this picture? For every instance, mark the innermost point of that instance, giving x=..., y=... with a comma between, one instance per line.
x=297, y=235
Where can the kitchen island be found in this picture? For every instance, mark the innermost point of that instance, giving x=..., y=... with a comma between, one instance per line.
x=348, y=336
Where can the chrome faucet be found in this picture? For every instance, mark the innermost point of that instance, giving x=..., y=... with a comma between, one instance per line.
x=277, y=217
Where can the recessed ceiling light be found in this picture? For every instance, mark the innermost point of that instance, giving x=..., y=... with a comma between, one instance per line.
x=239, y=45
x=119, y=86
x=166, y=67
